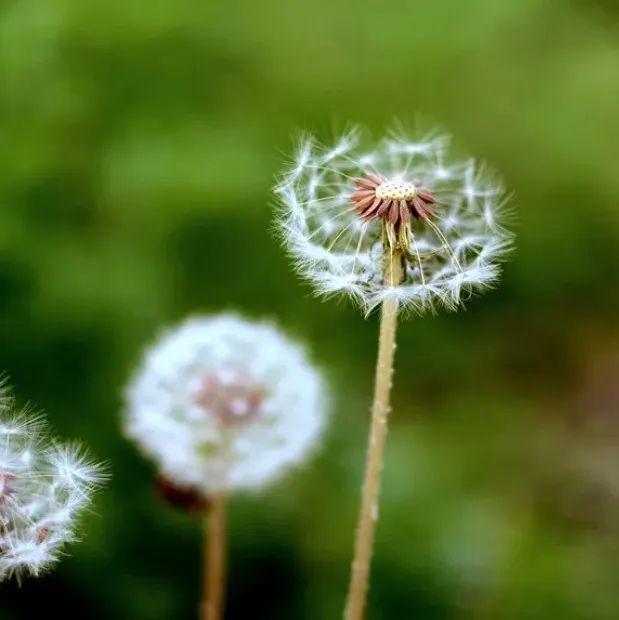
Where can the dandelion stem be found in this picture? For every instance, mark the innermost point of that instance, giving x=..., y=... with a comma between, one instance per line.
x=214, y=558
x=368, y=514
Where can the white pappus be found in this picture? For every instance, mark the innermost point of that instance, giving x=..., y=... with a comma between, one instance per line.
x=222, y=404
x=342, y=208
x=44, y=487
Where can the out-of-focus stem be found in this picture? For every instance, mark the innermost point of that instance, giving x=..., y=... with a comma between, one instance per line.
x=368, y=514
x=214, y=559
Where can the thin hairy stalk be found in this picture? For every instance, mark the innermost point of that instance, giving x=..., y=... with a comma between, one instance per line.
x=214, y=558
x=443, y=239
x=368, y=513
x=418, y=257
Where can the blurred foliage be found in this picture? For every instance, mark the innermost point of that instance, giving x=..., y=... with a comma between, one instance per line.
x=138, y=144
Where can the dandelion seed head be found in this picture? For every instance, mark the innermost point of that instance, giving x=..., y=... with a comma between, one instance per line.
x=44, y=488
x=221, y=403
x=341, y=207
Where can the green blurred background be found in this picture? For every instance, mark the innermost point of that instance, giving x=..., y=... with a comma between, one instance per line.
x=139, y=140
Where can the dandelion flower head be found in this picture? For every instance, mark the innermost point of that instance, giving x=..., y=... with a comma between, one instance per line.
x=221, y=404
x=347, y=212
x=44, y=487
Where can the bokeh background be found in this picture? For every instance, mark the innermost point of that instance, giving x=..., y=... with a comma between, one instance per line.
x=139, y=140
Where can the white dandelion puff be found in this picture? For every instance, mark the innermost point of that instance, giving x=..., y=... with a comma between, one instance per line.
x=400, y=226
x=222, y=404
x=44, y=488
x=341, y=207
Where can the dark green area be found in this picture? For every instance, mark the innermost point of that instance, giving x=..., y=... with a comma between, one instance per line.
x=138, y=144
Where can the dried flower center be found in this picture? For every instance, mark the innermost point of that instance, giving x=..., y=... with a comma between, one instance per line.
x=230, y=397
x=396, y=190
x=396, y=203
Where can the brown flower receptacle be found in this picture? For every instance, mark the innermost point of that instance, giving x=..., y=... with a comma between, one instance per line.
x=397, y=203
x=231, y=397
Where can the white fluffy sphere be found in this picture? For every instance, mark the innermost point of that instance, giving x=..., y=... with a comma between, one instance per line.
x=453, y=248
x=222, y=404
x=44, y=488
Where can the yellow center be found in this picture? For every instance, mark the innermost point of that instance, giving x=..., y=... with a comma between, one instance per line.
x=396, y=190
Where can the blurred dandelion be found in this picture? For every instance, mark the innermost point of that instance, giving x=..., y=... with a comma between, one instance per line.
x=400, y=226
x=44, y=487
x=222, y=404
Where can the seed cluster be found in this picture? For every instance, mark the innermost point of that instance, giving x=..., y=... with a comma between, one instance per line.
x=394, y=201
x=348, y=208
